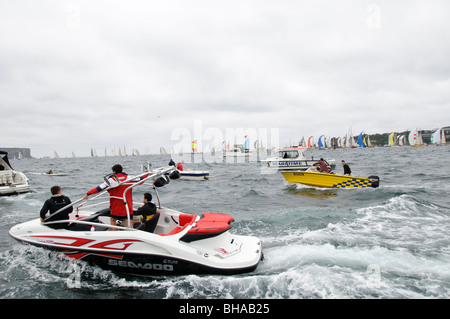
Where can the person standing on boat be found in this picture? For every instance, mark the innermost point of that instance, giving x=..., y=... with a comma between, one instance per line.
x=53, y=204
x=347, y=170
x=116, y=201
x=323, y=167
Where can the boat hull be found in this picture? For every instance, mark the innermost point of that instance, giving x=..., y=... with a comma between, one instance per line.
x=52, y=174
x=329, y=180
x=194, y=175
x=143, y=253
x=14, y=189
x=13, y=183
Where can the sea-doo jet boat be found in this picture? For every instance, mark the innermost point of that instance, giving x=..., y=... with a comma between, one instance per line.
x=180, y=243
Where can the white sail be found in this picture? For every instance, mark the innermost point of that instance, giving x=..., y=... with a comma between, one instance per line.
x=349, y=139
x=415, y=138
x=135, y=152
x=436, y=137
x=302, y=142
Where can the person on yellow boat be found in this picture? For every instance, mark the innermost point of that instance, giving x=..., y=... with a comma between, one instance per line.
x=347, y=170
x=323, y=167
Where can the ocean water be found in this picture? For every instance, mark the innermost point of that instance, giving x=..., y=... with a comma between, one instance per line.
x=388, y=242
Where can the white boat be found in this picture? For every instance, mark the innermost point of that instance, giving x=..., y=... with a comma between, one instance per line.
x=237, y=151
x=11, y=182
x=49, y=174
x=291, y=158
x=180, y=244
x=194, y=175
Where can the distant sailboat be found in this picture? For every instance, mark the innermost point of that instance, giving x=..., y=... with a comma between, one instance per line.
x=321, y=141
x=56, y=154
x=311, y=141
x=302, y=142
x=361, y=140
x=73, y=154
x=367, y=141
x=415, y=138
x=436, y=137
x=135, y=152
x=246, y=145
x=391, y=140
x=349, y=139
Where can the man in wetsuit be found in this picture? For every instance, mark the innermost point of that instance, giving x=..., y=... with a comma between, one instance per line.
x=347, y=170
x=150, y=216
x=53, y=204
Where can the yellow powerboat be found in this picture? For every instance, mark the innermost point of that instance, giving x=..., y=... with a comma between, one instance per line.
x=329, y=180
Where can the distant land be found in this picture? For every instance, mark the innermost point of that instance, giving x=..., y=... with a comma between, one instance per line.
x=17, y=152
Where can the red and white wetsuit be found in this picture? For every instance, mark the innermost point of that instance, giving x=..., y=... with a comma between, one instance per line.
x=118, y=206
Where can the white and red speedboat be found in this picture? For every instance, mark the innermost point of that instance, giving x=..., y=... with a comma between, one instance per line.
x=180, y=244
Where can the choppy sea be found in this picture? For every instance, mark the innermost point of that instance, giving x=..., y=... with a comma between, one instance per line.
x=389, y=242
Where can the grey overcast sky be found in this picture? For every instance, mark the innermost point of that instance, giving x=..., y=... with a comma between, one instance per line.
x=76, y=75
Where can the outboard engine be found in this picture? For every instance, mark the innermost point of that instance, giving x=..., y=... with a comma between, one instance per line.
x=375, y=181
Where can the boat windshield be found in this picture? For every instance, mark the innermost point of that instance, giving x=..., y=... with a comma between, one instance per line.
x=287, y=154
x=4, y=162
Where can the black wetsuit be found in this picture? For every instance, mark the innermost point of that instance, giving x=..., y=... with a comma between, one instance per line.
x=347, y=170
x=53, y=204
x=149, y=218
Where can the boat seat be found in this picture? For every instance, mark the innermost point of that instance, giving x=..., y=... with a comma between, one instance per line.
x=216, y=217
x=210, y=225
x=184, y=221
